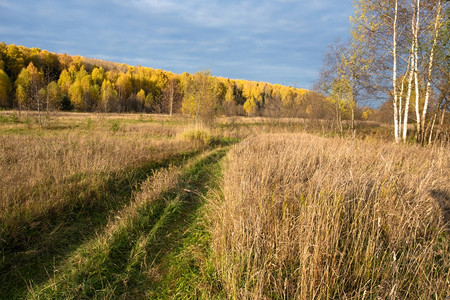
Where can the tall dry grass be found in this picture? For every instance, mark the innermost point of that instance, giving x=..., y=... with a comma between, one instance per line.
x=305, y=217
x=51, y=170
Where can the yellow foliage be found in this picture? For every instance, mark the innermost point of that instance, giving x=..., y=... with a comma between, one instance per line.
x=5, y=88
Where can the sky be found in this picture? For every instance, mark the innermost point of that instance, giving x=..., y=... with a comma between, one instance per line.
x=278, y=41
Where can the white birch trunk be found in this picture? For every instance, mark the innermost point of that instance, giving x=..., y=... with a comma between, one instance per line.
x=416, y=81
x=430, y=68
x=402, y=90
x=408, y=95
x=431, y=130
x=400, y=103
x=394, y=73
x=411, y=64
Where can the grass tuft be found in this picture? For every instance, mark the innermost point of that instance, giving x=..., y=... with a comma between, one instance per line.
x=197, y=135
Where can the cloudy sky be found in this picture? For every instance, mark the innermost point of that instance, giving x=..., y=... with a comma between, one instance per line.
x=277, y=41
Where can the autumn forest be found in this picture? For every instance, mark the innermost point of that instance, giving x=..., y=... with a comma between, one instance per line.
x=127, y=182
x=35, y=79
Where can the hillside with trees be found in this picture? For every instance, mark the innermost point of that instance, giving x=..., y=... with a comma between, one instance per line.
x=40, y=80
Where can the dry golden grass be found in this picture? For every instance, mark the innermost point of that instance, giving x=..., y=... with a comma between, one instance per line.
x=305, y=217
x=302, y=216
x=49, y=169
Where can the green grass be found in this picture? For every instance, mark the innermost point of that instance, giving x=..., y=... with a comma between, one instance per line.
x=188, y=268
x=10, y=118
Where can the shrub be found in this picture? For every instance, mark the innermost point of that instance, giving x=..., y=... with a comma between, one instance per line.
x=197, y=135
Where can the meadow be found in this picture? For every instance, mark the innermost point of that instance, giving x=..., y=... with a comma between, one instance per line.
x=138, y=206
x=307, y=217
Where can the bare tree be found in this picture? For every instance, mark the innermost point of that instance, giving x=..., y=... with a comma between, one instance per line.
x=344, y=78
x=172, y=95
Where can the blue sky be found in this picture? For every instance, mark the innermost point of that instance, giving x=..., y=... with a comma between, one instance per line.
x=278, y=41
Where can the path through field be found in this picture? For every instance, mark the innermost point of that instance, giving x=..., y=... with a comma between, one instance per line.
x=152, y=243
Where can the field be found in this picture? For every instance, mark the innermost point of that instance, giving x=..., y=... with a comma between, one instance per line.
x=151, y=206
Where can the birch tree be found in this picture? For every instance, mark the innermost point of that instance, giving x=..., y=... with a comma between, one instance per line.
x=436, y=29
x=345, y=78
x=171, y=94
x=200, y=98
x=411, y=50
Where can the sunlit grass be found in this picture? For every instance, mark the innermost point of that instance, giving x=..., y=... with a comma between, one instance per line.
x=308, y=217
x=111, y=205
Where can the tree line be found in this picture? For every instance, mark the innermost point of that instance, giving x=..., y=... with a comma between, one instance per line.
x=35, y=79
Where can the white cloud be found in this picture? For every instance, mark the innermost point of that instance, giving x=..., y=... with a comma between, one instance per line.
x=255, y=16
x=266, y=40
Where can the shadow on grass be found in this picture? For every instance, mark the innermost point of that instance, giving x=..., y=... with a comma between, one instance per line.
x=442, y=198
x=123, y=268
x=31, y=256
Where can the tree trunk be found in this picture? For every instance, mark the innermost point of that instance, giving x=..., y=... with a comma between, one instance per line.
x=394, y=73
x=431, y=130
x=408, y=95
x=412, y=63
x=441, y=124
x=416, y=81
x=353, y=121
x=171, y=95
x=430, y=68
x=400, y=100
x=338, y=117
x=402, y=110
